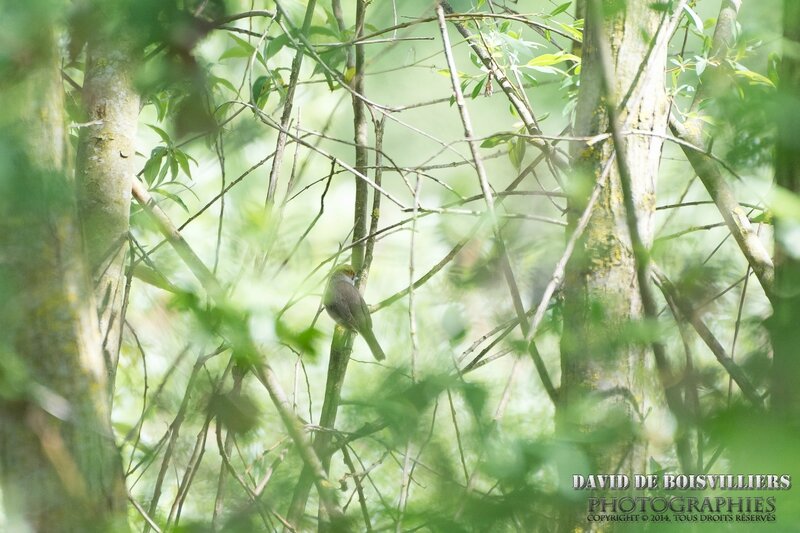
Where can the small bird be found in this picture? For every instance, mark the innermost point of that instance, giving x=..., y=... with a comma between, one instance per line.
x=346, y=306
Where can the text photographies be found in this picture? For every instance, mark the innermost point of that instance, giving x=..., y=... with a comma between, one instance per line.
x=660, y=506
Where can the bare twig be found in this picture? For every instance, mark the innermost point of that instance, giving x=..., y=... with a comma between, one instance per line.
x=341, y=345
x=263, y=371
x=708, y=338
x=511, y=92
x=359, y=488
x=483, y=179
x=297, y=62
x=174, y=431
x=732, y=212
x=693, y=131
x=139, y=509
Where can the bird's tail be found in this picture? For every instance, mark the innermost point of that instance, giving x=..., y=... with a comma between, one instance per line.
x=374, y=347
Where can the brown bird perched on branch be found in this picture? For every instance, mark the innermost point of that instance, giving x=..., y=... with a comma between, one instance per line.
x=346, y=306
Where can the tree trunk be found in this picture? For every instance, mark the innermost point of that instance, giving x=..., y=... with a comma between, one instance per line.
x=105, y=168
x=606, y=385
x=786, y=302
x=61, y=470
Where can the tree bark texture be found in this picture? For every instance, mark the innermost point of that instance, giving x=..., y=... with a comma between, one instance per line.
x=59, y=464
x=105, y=167
x=606, y=385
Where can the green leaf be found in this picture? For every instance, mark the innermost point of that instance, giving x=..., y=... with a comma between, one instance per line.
x=516, y=152
x=276, y=44
x=183, y=160
x=216, y=80
x=560, y=9
x=161, y=105
x=161, y=133
x=260, y=91
x=182, y=186
x=753, y=77
x=476, y=397
x=234, y=52
x=173, y=167
x=174, y=197
x=243, y=44
x=153, y=164
x=655, y=467
x=494, y=140
x=698, y=22
x=475, y=60
x=242, y=49
x=446, y=73
x=701, y=65
x=477, y=89
x=236, y=411
x=304, y=341
x=765, y=217
x=574, y=32
x=773, y=67
x=322, y=30
x=164, y=170
x=546, y=60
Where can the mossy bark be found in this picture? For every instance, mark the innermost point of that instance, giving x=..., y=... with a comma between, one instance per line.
x=606, y=381
x=105, y=168
x=60, y=467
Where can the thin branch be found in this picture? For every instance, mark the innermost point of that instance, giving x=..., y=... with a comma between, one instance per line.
x=312, y=223
x=226, y=463
x=690, y=314
x=375, y=212
x=483, y=179
x=458, y=436
x=524, y=112
x=693, y=131
x=263, y=371
x=191, y=470
x=288, y=104
x=511, y=216
x=737, y=326
x=139, y=509
x=174, y=432
x=412, y=316
x=246, y=15
x=173, y=236
x=342, y=342
x=732, y=212
x=421, y=281
x=360, y=175
x=219, y=500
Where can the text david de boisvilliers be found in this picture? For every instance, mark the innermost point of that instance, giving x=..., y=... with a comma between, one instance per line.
x=680, y=482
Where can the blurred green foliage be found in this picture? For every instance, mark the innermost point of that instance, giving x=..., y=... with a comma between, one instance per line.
x=433, y=445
